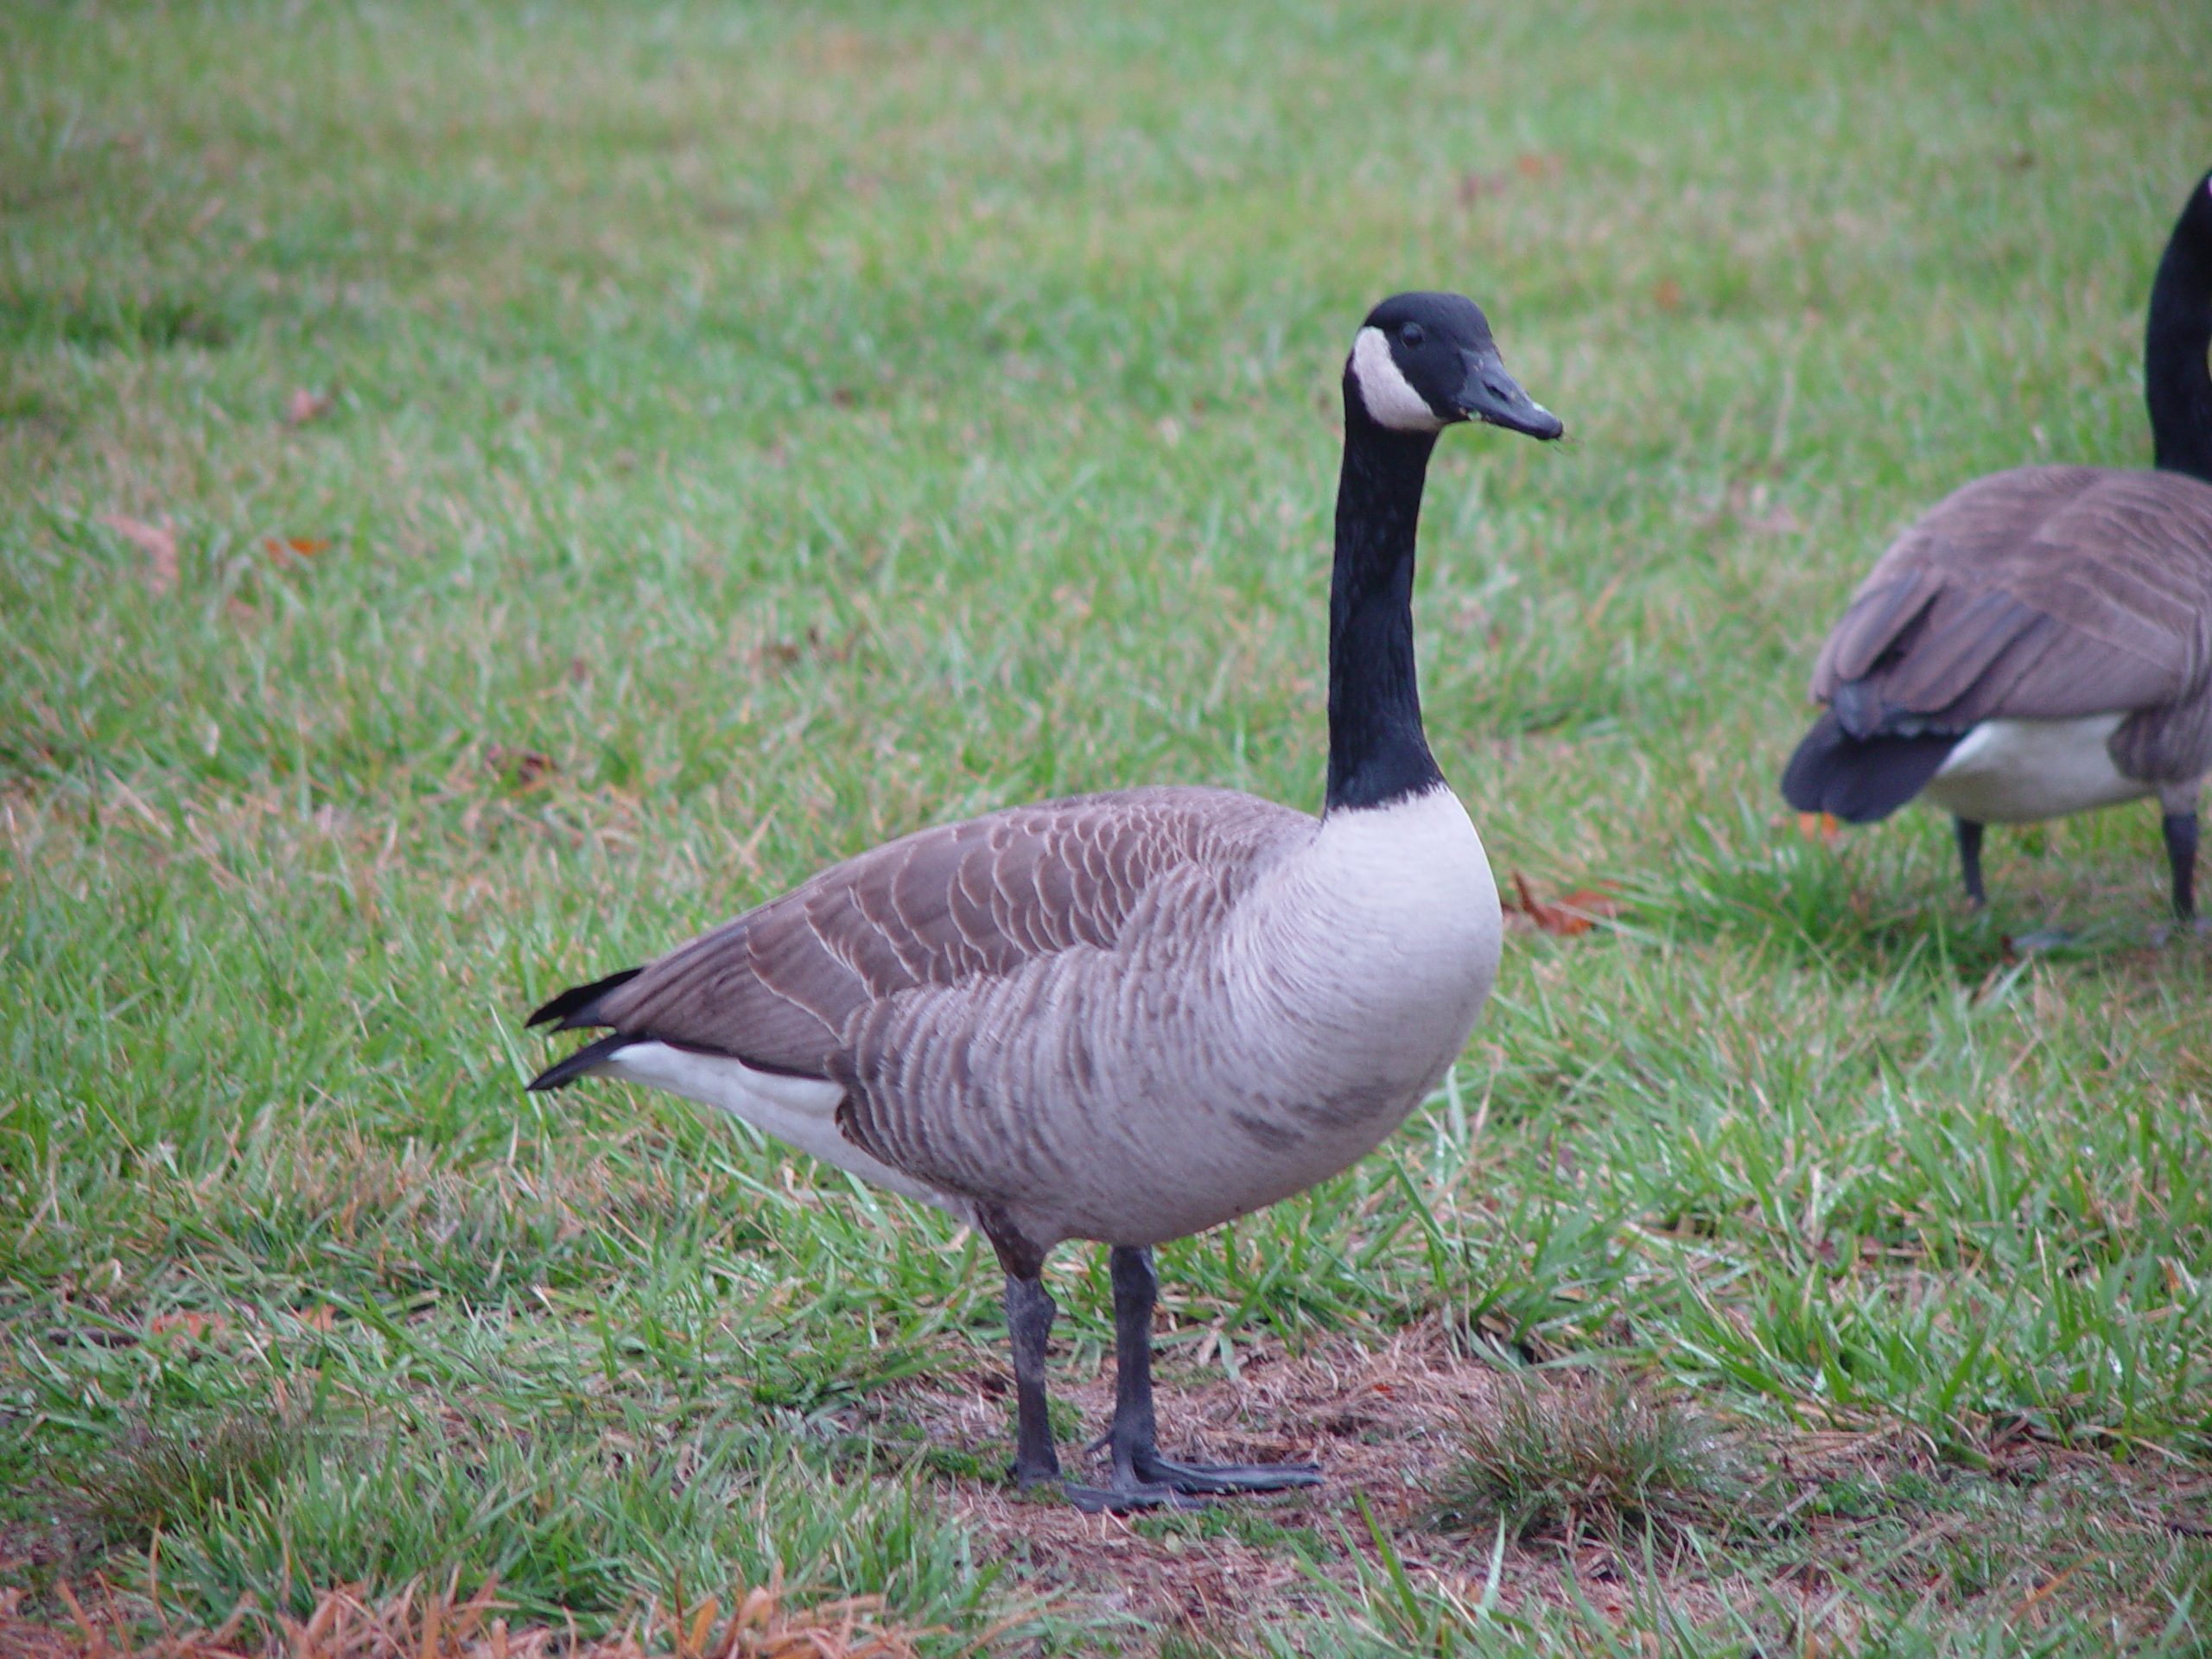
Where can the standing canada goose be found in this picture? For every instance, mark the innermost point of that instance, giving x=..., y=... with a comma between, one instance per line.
x=2040, y=641
x=1131, y=1016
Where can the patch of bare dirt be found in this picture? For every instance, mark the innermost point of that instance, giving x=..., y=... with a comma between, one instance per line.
x=1828, y=1509
x=1381, y=1421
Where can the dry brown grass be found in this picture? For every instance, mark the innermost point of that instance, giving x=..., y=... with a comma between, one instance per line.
x=762, y=1622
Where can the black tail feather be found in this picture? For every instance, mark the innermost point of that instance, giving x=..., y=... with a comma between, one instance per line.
x=1860, y=779
x=561, y=1073
x=573, y=1008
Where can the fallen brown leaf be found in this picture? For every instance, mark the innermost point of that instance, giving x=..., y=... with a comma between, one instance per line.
x=283, y=549
x=192, y=1324
x=157, y=541
x=1577, y=913
x=304, y=405
x=523, y=768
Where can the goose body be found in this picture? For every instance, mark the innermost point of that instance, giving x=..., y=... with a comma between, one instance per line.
x=1267, y=993
x=1131, y=1016
x=2039, y=642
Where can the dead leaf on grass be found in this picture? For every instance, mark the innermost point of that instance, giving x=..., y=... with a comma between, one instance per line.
x=195, y=1326
x=283, y=550
x=304, y=405
x=1473, y=187
x=1575, y=912
x=523, y=768
x=784, y=653
x=157, y=542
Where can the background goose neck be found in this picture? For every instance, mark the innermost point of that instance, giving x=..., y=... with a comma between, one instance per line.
x=2176, y=383
x=1377, y=751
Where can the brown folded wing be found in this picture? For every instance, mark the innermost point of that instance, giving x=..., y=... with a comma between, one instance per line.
x=2046, y=593
x=781, y=986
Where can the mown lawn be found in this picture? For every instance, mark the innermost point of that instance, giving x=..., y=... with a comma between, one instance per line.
x=487, y=491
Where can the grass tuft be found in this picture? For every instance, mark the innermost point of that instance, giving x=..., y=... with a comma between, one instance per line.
x=160, y=1475
x=1602, y=1456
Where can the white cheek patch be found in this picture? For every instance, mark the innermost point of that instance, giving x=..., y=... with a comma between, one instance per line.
x=1389, y=397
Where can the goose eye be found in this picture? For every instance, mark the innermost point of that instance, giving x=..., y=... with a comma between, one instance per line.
x=1413, y=334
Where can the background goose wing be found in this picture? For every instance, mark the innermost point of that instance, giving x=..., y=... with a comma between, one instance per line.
x=781, y=987
x=2046, y=593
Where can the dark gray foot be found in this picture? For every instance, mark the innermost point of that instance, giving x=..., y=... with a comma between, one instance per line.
x=1969, y=835
x=1188, y=1485
x=1156, y=1483
x=1116, y=1500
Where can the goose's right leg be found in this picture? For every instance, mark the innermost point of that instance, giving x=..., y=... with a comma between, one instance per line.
x=1969, y=833
x=1029, y=1314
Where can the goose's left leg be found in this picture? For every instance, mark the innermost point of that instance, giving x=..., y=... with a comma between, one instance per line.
x=1142, y=1479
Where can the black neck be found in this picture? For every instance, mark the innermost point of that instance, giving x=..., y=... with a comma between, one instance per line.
x=1378, y=753
x=2176, y=382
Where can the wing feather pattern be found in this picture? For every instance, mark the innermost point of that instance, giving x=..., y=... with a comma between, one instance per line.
x=787, y=987
x=2045, y=593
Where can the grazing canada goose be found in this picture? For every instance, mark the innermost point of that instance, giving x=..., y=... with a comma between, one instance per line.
x=2040, y=641
x=1131, y=1016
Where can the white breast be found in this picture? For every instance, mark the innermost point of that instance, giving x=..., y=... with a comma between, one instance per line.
x=2018, y=771
x=1389, y=925
x=1276, y=1049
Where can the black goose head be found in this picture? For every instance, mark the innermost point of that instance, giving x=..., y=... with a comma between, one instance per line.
x=1422, y=362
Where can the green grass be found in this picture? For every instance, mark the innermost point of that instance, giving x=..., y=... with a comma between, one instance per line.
x=755, y=433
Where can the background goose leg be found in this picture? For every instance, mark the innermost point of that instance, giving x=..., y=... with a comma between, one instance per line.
x=2180, y=854
x=1969, y=833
